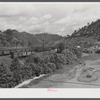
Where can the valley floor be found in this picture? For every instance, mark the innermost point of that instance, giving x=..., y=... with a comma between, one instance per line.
x=67, y=77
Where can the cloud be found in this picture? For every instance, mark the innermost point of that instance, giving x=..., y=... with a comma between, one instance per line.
x=58, y=18
x=16, y=9
x=34, y=23
x=78, y=18
x=46, y=17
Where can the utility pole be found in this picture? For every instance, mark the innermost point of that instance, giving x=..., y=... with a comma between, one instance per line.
x=43, y=44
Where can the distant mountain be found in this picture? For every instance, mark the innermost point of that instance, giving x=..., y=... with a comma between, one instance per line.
x=49, y=39
x=8, y=37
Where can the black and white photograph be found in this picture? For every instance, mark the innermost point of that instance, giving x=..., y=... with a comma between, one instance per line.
x=49, y=45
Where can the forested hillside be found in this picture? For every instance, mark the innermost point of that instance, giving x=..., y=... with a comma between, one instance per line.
x=15, y=38
x=91, y=29
x=86, y=35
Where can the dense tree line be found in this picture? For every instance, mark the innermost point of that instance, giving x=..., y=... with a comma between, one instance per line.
x=35, y=65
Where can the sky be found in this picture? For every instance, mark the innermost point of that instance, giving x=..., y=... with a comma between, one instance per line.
x=54, y=18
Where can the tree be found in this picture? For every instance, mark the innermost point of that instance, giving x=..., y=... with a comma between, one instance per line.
x=2, y=69
x=30, y=44
x=5, y=76
x=78, y=52
x=88, y=24
x=4, y=41
x=68, y=36
x=9, y=35
x=22, y=43
x=15, y=69
x=60, y=47
x=16, y=42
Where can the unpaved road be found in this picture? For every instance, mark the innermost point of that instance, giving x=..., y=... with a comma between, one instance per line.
x=67, y=79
